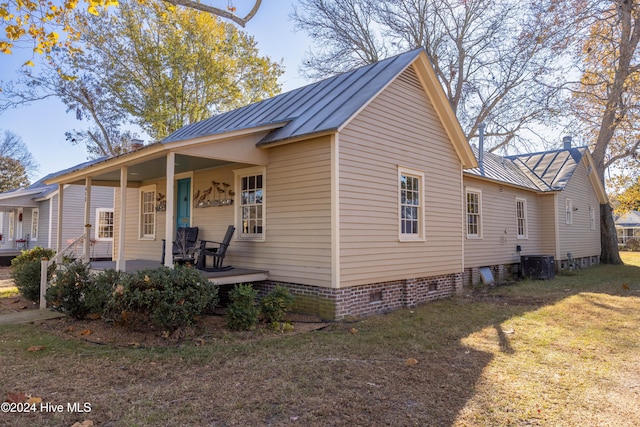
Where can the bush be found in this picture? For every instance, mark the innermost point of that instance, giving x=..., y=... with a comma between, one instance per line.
x=77, y=292
x=633, y=244
x=25, y=271
x=242, y=313
x=276, y=304
x=163, y=297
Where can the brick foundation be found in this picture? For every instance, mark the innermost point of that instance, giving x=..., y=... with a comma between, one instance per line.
x=506, y=272
x=358, y=301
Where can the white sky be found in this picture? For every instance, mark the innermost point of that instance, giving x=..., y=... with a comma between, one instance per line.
x=43, y=124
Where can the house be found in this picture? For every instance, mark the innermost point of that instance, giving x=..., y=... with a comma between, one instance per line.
x=29, y=218
x=348, y=190
x=628, y=226
x=539, y=204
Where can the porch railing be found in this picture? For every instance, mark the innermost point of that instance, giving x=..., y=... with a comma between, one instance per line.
x=58, y=258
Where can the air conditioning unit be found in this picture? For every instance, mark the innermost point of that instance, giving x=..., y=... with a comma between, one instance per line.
x=540, y=267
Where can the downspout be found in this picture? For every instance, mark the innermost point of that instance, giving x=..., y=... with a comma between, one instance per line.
x=481, y=148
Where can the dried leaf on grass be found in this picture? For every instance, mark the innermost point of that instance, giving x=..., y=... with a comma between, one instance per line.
x=18, y=397
x=35, y=348
x=86, y=332
x=85, y=423
x=411, y=362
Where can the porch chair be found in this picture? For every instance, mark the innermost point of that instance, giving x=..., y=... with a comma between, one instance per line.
x=185, y=245
x=217, y=252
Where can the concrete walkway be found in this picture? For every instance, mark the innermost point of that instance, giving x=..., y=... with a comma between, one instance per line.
x=28, y=316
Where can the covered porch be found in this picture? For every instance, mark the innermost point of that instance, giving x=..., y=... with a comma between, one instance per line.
x=162, y=187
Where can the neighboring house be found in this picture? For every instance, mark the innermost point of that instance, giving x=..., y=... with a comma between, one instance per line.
x=29, y=217
x=348, y=191
x=540, y=204
x=628, y=226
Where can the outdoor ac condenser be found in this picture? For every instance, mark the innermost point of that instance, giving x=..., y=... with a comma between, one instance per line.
x=538, y=267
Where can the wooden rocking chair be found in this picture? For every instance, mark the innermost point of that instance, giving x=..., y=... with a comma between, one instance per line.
x=216, y=252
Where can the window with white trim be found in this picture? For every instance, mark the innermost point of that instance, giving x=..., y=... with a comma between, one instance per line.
x=568, y=211
x=148, y=212
x=411, y=209
x=12, y=224
x=522, y=229
x=592, y=217
x=474, y=212
x=35, y=218
x=104, y=224
x=251, y=209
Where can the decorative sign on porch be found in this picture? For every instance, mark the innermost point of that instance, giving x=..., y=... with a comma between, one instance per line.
x=222, y=196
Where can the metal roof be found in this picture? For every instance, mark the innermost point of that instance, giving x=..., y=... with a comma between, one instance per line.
x=545, y=171
x=316, y=108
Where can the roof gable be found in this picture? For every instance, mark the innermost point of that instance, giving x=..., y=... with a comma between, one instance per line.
x=328, y=105
x=545, y=171
x=319, y=107
x=629, y=219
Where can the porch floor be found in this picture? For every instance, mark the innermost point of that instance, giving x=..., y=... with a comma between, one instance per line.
x=227, y=277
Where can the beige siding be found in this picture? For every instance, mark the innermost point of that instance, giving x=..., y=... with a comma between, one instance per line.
x=499, y=238
x=398, y=129
x=548, y=223
x=297, y=247
x=578, y=237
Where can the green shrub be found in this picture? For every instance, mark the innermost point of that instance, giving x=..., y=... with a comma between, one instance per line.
x=163, y=297
x=67, y=292
x=25, y=271
x=633, y=244
x=276, y=304
x=242, y=313
x=77, y=292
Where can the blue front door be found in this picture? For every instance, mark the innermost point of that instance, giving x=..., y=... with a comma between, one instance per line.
x=183, y=203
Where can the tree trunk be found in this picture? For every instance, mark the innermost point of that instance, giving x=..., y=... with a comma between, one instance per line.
x=609, y=253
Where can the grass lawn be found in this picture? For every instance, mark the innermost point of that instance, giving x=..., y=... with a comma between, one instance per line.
x=564, y=352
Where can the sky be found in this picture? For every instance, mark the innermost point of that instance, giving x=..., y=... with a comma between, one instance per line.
x=42, y=125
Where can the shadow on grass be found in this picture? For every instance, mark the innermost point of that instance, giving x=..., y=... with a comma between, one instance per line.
x=409, y=367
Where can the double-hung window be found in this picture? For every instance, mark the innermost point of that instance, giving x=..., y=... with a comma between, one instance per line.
x=104, y=220
x=474, y=219
x=568, y=211
x=35, y=219
x=411, y=204
x=521, y=219
x=251, y=209
x=148, y=212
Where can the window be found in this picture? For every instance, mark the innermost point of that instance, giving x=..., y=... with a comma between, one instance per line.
x=592, y=217
x=410, y=217
x=474, y=206
x=35, y=218
x=104, y=220
x=568, y=209
x=521, y=218
x=12, y=225
x=251, y=215
x=148, y=212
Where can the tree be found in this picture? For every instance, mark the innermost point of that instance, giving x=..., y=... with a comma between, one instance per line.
x=606, y=100
x=498, y=61
x=628, y=199
x=42, y=21
x=12, y=174
x=167, y=67
x=17, y=162
x=154, y=65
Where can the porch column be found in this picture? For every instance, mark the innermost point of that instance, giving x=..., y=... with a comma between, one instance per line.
x=59, y=230
x=87, y=219
x=121, y=263
x=169, y=215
